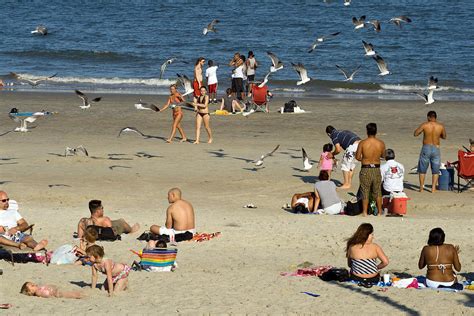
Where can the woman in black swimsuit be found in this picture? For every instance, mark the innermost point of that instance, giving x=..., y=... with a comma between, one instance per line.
x=202, y=114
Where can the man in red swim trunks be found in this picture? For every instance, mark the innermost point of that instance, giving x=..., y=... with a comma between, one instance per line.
x=197, y=83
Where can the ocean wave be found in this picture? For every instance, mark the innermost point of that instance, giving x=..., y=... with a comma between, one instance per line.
x=359, y=91
x=410, y=88
x=74, y=54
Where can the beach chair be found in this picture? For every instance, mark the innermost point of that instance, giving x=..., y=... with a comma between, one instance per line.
x=465, y=168
x=158, y=259
x=259, y=98
x=13, y=254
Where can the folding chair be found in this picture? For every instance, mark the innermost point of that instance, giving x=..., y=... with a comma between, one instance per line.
x=465, y=168
x=259, y=98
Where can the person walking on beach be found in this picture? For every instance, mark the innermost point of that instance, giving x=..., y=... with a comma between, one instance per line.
x=369, y=152
x=347, y=141
x=211, y=77
x=252, y=65
x=430, y=153
x=174, y=99
x=197, y=83
x=201, y=106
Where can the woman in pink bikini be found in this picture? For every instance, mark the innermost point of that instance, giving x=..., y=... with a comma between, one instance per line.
x=117, y=273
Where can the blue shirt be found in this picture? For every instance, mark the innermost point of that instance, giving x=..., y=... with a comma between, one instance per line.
x=343, y=138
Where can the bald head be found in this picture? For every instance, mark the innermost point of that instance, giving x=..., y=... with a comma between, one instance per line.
x=4, y=197
x=174, y=195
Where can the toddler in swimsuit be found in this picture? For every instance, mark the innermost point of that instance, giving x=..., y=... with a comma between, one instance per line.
x=88, y=239
x=326, y=160
x=48, y=291
x=117, y=273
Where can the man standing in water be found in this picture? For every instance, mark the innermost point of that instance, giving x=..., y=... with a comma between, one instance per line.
x=369, y=152
x=430, y=153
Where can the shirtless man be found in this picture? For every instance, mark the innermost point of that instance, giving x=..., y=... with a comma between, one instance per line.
x=12, y=226
x=369, y=152
x=179, y=216
x=97, y=218
x=197, y=83
x=430, y=153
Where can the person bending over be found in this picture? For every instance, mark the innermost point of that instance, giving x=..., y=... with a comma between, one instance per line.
x=303, y=202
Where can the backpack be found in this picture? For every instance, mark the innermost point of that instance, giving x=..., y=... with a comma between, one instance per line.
x=335, y=274
x=353, y=209
x=105, y=233
x=289, y=106
x=147, y=236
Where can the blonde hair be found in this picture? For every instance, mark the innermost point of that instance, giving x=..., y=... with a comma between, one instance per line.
x=25, y=289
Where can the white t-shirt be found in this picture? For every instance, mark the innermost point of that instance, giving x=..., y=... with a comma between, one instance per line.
x=238, y=72
x=211, y=75
x=392, y=176
x=10, y=217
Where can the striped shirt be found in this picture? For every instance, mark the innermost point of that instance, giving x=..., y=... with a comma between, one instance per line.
x=343, y=138
x=364, y=266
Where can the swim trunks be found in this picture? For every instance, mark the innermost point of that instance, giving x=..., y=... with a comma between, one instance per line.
x=348, y=160
x=196, y=87
x=370, y=181
x=17, y=237
x=212, y=88
x=429, y=154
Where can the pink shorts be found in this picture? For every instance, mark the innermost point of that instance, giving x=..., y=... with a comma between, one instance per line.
x=212, y=88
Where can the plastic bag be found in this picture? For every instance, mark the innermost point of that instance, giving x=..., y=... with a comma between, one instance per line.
x=64, y=255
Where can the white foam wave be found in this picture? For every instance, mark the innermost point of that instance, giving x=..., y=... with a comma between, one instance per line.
x=359, y=91
x=289, y=89
x=409, y=88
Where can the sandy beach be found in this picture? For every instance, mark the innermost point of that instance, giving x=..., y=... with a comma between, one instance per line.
x=239, y=272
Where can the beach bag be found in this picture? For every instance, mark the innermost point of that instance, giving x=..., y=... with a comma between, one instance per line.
x=158, y=259
x=335, y=274
x=105, y=233
x=353, y=209
x=64, y=255
x=289, y=106
x=147, y=236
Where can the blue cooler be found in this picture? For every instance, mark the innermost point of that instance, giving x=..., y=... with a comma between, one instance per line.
x=446, y=179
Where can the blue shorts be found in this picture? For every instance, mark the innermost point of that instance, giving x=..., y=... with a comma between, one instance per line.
x=430, y=154
x=18, y=237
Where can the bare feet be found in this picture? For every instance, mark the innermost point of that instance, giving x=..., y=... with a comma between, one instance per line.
x=209, y=141
x=41, y=245
x=183, y=140
x=135, y=228
x=169, y=140
x=196, y=142
x=22, y=246
x=345, y=187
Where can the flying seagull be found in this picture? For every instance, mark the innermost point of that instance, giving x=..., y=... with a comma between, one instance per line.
x=349, y=77
x=382, y=65
x=75, y=151
x=265, y=80
x=32, y=83
x=259, y=162
x=432, y=83
x=130, y=129
x=41, y=30
x=146, y=106
x=358, y=23
x=376, y=24
x=321, y=39
x=347, y=3
x=306, y=163
x=24, y=119
x=164, y=65
x=85, y=101
x=369, y=49
x=299, y=68
x=427, y=97
x=399, y=20
x=186, y=83
x=276, y=63
x=210, y=27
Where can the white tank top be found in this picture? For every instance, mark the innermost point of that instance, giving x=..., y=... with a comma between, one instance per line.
x=251, y=67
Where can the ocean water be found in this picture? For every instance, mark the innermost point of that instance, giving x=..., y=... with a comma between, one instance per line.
x=119, y=46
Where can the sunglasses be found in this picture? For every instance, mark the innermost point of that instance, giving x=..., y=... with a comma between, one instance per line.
x=5, y=200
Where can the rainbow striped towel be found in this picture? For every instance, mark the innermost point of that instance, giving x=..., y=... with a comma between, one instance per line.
x=162, y=258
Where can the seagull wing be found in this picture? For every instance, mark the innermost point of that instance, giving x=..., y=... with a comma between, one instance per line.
x=265, y=80
x=162, y=69
x=83, y=149
x=355, y=71
x=368, y=47
x=275, y=61
x=403, y=18
x=422, y=95
x=270, y=153
x=376, y=24
x=130, y=129
x=432, y=83
x=343, y=71
x=381, y=63
x=301, y=70
x=81, y=95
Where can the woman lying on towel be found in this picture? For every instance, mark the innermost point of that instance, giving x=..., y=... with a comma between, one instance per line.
x=362, y=255
x=303, y=202
x=441, y=259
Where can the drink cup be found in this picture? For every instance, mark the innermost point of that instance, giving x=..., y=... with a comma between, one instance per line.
x=386, y=278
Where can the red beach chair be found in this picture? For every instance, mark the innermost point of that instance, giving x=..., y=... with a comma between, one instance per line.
x=259, y=98
x=465, y=168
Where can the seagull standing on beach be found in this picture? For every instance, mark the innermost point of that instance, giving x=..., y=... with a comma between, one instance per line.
x=259, y=162
x=41, y=30
x=75, y=151
x=307, y=165
x=146, y=106
x=164, y=65
x=399, y=20
x=32, y=83
x=276, y=63
x=358, y=23
x=302, y=72
x=85, y=100
x=349, y=77
x=129, y=129
x=321, y=39
x=186, y=84
x=369, y=49
x=382, y=65
x=210, y=27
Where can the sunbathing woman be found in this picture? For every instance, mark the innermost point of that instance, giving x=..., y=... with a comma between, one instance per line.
x=303, y=202
x=362, y=255
x=202, y=114
x=174, y=99
x=48, y=291
x=440, y=258
x=117, y=273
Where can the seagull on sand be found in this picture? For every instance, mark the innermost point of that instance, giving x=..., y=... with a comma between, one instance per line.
x=349, y=77
x=306, y=163
x=129, y=129
x=210, y=27
x=399, y=20
x=276, y=63
x=85, y=101
x=41, y=30
x=321, y=39
x=427, y=97
x=164, y=65
x=32, y=83
x=186, y=83
x=24, y=120
x=140, y=105
x=265, y=80
x=432, y=83
x=382, y=65
x=75, y=151
x=358, y=23
x=259, y=162
x=302, y=72
x=369, y=49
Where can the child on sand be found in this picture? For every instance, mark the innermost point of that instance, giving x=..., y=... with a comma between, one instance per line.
x=117, y=273
x=88, y=239
x=326, y=160
x=48, y=291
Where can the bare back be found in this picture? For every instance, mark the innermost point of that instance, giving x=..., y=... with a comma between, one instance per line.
x=434, y=257
x=432, y=132
x=370, y=150
x=180, y=216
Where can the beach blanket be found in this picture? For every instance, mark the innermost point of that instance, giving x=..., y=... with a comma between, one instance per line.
x=200, y=237
x=38, y=257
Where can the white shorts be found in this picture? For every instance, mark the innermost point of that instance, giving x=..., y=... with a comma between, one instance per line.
x=333, y=209
x=348, y=160
x=172, y=232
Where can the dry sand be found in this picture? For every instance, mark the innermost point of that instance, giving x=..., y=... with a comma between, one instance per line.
x=238, y=272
